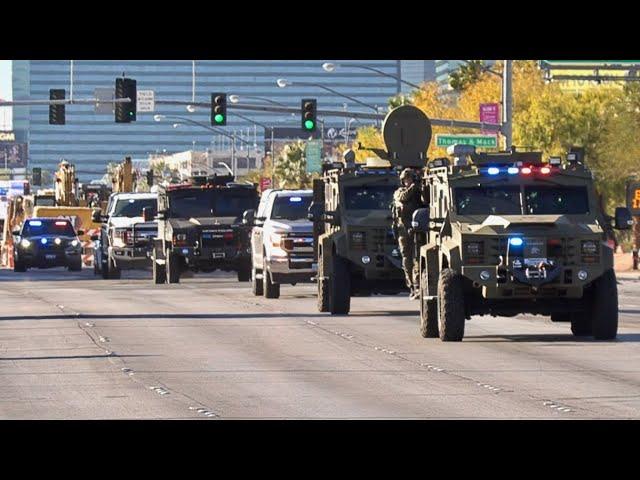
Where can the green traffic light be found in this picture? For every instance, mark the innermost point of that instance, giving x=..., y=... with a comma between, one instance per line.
x=308, y=124
x=219, y=118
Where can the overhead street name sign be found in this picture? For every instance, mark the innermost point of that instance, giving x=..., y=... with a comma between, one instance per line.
x=486, y=141
x=146, y=101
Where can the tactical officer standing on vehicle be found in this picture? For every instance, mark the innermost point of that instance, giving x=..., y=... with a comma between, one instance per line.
x=406, y=200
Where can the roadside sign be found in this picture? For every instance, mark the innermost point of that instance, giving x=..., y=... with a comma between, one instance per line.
x=633, y=198
x=489, y=113
x=484, y=141
x=146, y=101
x=265, y=184
x=313, y=155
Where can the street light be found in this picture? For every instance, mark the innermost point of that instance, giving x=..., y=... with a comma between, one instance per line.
x=331, y=67
x=283, y=82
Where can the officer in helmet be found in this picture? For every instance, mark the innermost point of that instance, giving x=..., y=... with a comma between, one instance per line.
x=406, y=200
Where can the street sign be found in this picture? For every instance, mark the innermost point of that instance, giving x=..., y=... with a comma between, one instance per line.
x=146, y=101
x=489, y=113
x=633, y=198
x=313, y=154
x=484, y=141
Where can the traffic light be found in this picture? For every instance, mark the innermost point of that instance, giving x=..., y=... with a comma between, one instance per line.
x=126, y=88
x=36, y=177
x=150, y=178
x=56, y=112
x=218, y=109
x=309, y=107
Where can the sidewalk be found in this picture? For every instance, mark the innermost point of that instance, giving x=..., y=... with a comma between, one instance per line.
x=623, y=265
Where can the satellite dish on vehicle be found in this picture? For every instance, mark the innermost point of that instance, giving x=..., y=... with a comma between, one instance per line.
x=407, y=134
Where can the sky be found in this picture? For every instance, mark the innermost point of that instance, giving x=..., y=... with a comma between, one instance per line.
x=5, y=93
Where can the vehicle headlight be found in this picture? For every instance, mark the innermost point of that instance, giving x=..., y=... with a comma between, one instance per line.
x=75, y=243
x=57, y=241
x=589, y=247
x=25, y=243
x=276, y=238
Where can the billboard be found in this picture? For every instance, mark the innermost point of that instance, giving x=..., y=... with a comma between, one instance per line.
x=13, y=155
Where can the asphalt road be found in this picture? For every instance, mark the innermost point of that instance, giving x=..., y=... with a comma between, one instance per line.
x=73, y=346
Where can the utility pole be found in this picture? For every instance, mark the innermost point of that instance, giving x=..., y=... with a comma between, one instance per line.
x=507, y=103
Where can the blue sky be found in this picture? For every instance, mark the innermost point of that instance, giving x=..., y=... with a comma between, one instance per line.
x=5, y=79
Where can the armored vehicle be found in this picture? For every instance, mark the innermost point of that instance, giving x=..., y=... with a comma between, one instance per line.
x=200, y=228
x=508, y=233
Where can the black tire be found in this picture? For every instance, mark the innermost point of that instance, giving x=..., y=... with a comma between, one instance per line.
x=339, y=287
x=244, y=274
x=271, y=290
x=561, y=317
x=19, y=266
x=96, y=272
x=451, y=314
x=172, y=267
x=428, y=310
x=256, y=285
x=581, y=325
x=604, y=311
x=76, y=266
x=104, y=270
x=159, y=271
x=113, y=272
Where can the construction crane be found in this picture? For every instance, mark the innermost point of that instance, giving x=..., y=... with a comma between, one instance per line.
x=124, y=177
x=66, y=185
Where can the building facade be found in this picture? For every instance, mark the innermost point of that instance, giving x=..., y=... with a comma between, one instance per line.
x=91, y=140
x=417, y=72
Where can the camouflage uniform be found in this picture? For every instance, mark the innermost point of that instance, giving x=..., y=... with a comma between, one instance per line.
x=407, y=200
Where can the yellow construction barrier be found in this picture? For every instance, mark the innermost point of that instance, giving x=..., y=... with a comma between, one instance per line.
x=80, y=218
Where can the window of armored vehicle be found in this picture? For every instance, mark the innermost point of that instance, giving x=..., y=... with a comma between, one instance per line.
x=369, y=197
x=556, y=200
x=132, y=207
x=291, y=207
x=191, y=203
x=488, y=201
x=232, y=202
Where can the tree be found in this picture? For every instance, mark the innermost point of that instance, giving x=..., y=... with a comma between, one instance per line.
x=468, y=73
x=291, y=167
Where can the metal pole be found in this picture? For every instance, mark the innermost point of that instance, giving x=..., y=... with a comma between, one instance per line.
x=233, y=154
x=71, y=81
x=507, y=103
x=193, y=80
x=273, y=161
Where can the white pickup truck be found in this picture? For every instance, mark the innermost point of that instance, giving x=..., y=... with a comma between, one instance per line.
x=125, y=238
x=281, y=241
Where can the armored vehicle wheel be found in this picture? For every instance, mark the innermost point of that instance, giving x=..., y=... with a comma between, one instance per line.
x=172, y=267
x=103, y=270
x=113, y=272
x=19, y=266
x=451, y=316
x=339, y=287
x=244, y=274
x=323, y=289
x=428, y=310
x=159, y=271
x=604, y=311
x=256, y=284
x=581, y=325
x=96, y=271
x=75, y=266
x=560, y=317
x=271, y=290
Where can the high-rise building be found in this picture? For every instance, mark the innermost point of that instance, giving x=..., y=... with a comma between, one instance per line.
x=417, y=72
x=91, y=140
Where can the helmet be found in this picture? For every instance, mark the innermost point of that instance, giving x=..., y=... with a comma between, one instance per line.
x=408, y=173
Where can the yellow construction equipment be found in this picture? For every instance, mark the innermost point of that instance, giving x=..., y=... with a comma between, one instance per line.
x=124, y=178
x=66, y=185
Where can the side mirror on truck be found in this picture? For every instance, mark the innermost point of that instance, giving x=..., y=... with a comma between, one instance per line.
x=248, y=217
x=623, y=219
x=314, y=214
x=420, y=220
x=96, y=216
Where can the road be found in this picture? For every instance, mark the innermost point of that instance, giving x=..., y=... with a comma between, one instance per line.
x=76, y=347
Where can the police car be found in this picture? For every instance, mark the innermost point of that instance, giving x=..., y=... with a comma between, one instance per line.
x=46, y=243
